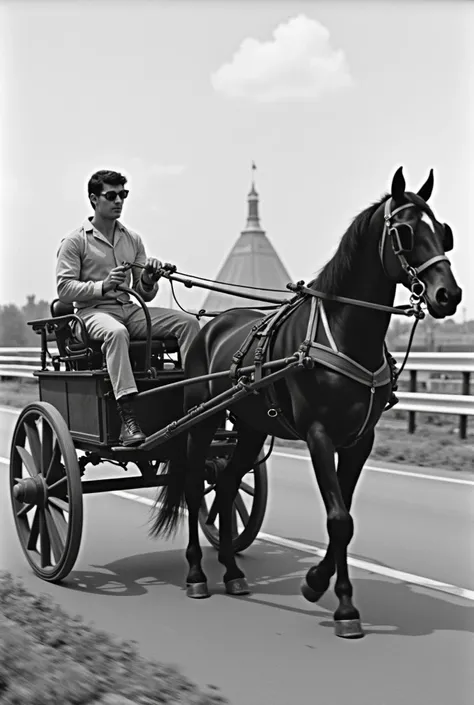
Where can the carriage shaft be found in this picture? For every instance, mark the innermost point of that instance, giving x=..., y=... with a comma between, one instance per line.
x=275, y=364
x=218, y=403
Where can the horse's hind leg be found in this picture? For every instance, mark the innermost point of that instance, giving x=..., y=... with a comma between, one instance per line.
x=249, y=445
x=199, y=440
x=349, y=467
x=340, y=529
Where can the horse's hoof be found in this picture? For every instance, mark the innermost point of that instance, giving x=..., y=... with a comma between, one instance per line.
x=238, y=586
x=308, y=592
x=348, y=628
x=197, y=590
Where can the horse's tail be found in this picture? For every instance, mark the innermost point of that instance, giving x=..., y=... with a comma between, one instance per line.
x=169, y=507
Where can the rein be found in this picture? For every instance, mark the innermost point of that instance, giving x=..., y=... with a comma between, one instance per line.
x=417, y=287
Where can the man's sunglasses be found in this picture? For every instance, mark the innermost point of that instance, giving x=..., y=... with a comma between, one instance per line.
x=112, y=195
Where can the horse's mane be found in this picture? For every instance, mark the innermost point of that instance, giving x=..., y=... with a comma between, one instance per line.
x=335, y=271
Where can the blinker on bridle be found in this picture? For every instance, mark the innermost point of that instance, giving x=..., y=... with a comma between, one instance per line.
x=402, y=239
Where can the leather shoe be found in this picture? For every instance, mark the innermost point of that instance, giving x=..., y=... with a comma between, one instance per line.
x=130, y=432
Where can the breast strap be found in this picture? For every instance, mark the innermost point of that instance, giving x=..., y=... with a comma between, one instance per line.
x=329, y=357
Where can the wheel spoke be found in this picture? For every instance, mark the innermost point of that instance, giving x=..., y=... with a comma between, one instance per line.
x=24, y=510
x=34, y=441
x=242, y=509
x=45, y=541
x=57, y=544
x=59, y=522
x=213, y=512
x=209, y=489
x=28, y=461
x=45, y=474
x=34, y=532
x=58, y=483
x=59, y=503
x=55, y=455
x=245, y=487
x=47, y=446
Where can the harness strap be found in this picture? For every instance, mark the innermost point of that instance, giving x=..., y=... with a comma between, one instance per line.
x=339, y=362
x=265, y=340
x=327, y=329
x=243, y=350
x=428, y=263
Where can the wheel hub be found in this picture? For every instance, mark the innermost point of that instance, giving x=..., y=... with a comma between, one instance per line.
x=31, y=490
x=213, y=467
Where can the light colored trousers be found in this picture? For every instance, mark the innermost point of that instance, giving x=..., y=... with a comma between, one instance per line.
x=117, y=323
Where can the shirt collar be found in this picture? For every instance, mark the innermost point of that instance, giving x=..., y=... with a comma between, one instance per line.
x=89, y=228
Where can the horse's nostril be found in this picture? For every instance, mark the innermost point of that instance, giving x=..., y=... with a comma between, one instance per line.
x=442, y=296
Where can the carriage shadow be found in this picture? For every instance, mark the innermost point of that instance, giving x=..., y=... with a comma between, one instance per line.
x=387, y=606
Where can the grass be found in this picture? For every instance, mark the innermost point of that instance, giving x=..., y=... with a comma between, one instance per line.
x=47, y=656
x=18, y=393
x=434, y=444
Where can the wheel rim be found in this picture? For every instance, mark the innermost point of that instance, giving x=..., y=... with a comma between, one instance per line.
x=247, y=511
x=44, y=477
x=241, y=509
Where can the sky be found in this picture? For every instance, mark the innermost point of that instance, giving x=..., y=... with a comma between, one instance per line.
x=328, y=99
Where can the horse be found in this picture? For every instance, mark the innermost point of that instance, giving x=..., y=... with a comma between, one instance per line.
x=333, y=404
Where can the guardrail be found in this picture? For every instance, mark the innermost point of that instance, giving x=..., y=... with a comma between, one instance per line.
x=460, y=363
x=413, y=401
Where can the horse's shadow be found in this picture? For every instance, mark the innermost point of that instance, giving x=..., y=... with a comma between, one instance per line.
x=386, y=606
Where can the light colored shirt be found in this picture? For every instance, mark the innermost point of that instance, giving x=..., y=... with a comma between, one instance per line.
x=85, y=258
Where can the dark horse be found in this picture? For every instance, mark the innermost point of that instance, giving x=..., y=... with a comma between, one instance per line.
x=333, y=404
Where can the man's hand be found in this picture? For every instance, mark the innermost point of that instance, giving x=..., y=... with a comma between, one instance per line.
x=115, y=277
x=151, y=273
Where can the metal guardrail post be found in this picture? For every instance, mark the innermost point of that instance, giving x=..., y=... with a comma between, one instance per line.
x=466, y=378
x=411, y=414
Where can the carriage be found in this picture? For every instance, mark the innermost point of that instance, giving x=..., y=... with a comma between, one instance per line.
x=315, y=367
x=74, y=427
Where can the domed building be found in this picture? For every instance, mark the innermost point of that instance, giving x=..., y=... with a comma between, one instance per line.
x=252, y=261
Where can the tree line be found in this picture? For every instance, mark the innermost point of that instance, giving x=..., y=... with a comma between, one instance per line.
x=14, y=330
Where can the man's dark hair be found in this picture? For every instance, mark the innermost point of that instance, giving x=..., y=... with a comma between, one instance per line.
x=97, y=181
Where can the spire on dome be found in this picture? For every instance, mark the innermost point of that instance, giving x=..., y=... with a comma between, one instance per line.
x=253, y=220
x=251, y=262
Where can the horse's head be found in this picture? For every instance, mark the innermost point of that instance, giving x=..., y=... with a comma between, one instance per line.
x=413, y=247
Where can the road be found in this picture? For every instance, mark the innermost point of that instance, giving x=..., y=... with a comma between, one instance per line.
x=272, y=646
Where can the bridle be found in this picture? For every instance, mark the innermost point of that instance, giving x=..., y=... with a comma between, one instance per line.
x=402, y=239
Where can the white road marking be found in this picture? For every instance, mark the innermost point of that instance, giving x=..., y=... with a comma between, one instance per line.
x=390, y=471
x=368, y=566
x=314, y=550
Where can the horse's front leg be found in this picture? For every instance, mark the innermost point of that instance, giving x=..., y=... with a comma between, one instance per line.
x=248, y=447
x=340, y=529
x=349, y=467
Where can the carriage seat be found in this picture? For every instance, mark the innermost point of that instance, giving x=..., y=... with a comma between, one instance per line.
x=69, y=337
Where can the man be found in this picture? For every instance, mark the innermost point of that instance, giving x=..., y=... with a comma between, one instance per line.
x=87, y=273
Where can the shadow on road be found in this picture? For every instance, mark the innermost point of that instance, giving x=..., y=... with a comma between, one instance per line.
x=387, y=606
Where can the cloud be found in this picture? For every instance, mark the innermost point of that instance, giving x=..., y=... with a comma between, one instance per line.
x=298, y=63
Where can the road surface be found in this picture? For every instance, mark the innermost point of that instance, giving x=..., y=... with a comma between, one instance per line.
x=272, y=646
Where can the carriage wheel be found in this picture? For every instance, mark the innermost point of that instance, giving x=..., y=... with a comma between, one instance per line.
x=248, y=511
x=46, y=491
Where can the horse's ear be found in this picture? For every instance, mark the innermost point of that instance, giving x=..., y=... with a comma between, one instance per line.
x=398, y=185
x=427, y=188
